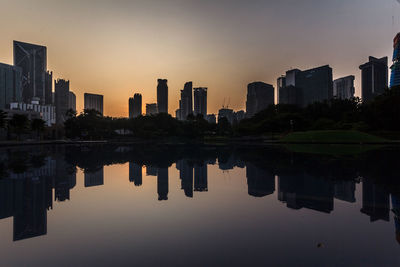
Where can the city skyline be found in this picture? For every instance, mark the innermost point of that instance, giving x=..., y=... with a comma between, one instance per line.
x=223, y=58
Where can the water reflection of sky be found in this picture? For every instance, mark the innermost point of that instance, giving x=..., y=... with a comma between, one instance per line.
x=242, y=215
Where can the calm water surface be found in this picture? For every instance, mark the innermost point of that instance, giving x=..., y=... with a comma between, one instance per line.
x=198, y=206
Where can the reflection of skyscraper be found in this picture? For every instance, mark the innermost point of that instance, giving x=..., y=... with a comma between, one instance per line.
x=345, y=190
x=304, y=191
x=135, y=173
x=151, y=170
x=6, y=198
x=162, y=184
x=396, y=211
x=65, y=179
x=186, y=176
x=162, y=96
x=200, y=178
x=33, y=61
x=30, y=218
x=260, y=182
x=376, y=203
x=94, y=178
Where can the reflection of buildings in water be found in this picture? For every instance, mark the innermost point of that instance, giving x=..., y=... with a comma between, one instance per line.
x=151, y=171
x=230, y=163
x=345, y=190
x=162, y=184
x=396, y=212
x=94, y=178
x=304, y=191
x=260, y=182
x=135, y=173
x=376, y=203
x=65, y=180
x=186, y=175
x=200, y=178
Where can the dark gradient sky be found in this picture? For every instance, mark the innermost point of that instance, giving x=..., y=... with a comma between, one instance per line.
x=120, y=47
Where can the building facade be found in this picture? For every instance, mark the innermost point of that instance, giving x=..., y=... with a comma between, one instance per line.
x=48, y=88
x=151, y=109
x=343, y=88
x=280, y=84
x=61, y=88
x=72, y=101
x=162, y=96
x=10, y=85
x=46, y=113
x=32, y=59
x=226, y=113
x=200, y=101
x=186, y=102
x=259, y=96
x=374, y=78
x=135, y=106
x=395, y=76
x=93, y=101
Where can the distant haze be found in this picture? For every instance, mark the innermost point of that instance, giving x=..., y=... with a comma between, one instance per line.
x=120, y=47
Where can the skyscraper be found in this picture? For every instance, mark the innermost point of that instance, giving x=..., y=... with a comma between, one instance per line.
x=200, y=101
x=48, y=90
x=162, y=96
x=307, y=87
x=33, y=61
x=151, y=109
x=343, y=88
x=93, y=101
x=374, y=78
x=61, y=100
x=186, y=102
x=395, y=77
x=135, y=106
x=280, y=84
x=259, y=96
x=72, y=101
x=10, y=85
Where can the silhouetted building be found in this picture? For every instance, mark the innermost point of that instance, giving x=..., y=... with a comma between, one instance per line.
x=345, y=190
x=260, y=182
x=200, y=101
x=239, y=115
x=151, y=171
x=280, y=84
x=200, y=178
x=307, y=87
x=135, y=106
x=374, y=78
x=72, y=101
x=395, y=76
x=162, y=183
x=32, y=59
x=46, y=113
x=376, y=203
x=48, y=88
x=64, y=179
x=93, y=101
x=186, y=102
x=259, y=96
x=10, y=85
x=162, y=96
x=135, y=173
x=61, y=100
x=343, y=88
x=151, y=109
x=226, y=113
x=94, y=177
x=186, y=176
x=211, y=118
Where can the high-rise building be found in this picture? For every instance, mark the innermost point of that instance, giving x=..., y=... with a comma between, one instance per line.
x=162, y=96
x=200, y=101
x=10, y=85
x=72, y=101
x=33, y=61
x=259, y=96
x=48, y=88
x=395, y=77
x=94, y=177
x=151, y=109
x=186, y=102
x=226, y=113
x=135, y=106
x=162, y=183
x=93, y=101
x=374, y=78
x=135, y=173
x=280, y=84
x=61, y=100
x=307, y=87
x=343, y=88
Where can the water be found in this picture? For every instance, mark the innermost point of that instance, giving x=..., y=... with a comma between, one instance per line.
x=198, y=206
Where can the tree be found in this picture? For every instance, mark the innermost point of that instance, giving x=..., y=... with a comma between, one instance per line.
x=19, y=124
x=38, y=125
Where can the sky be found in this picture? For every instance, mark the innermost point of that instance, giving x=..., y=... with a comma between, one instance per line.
x=120, y=47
